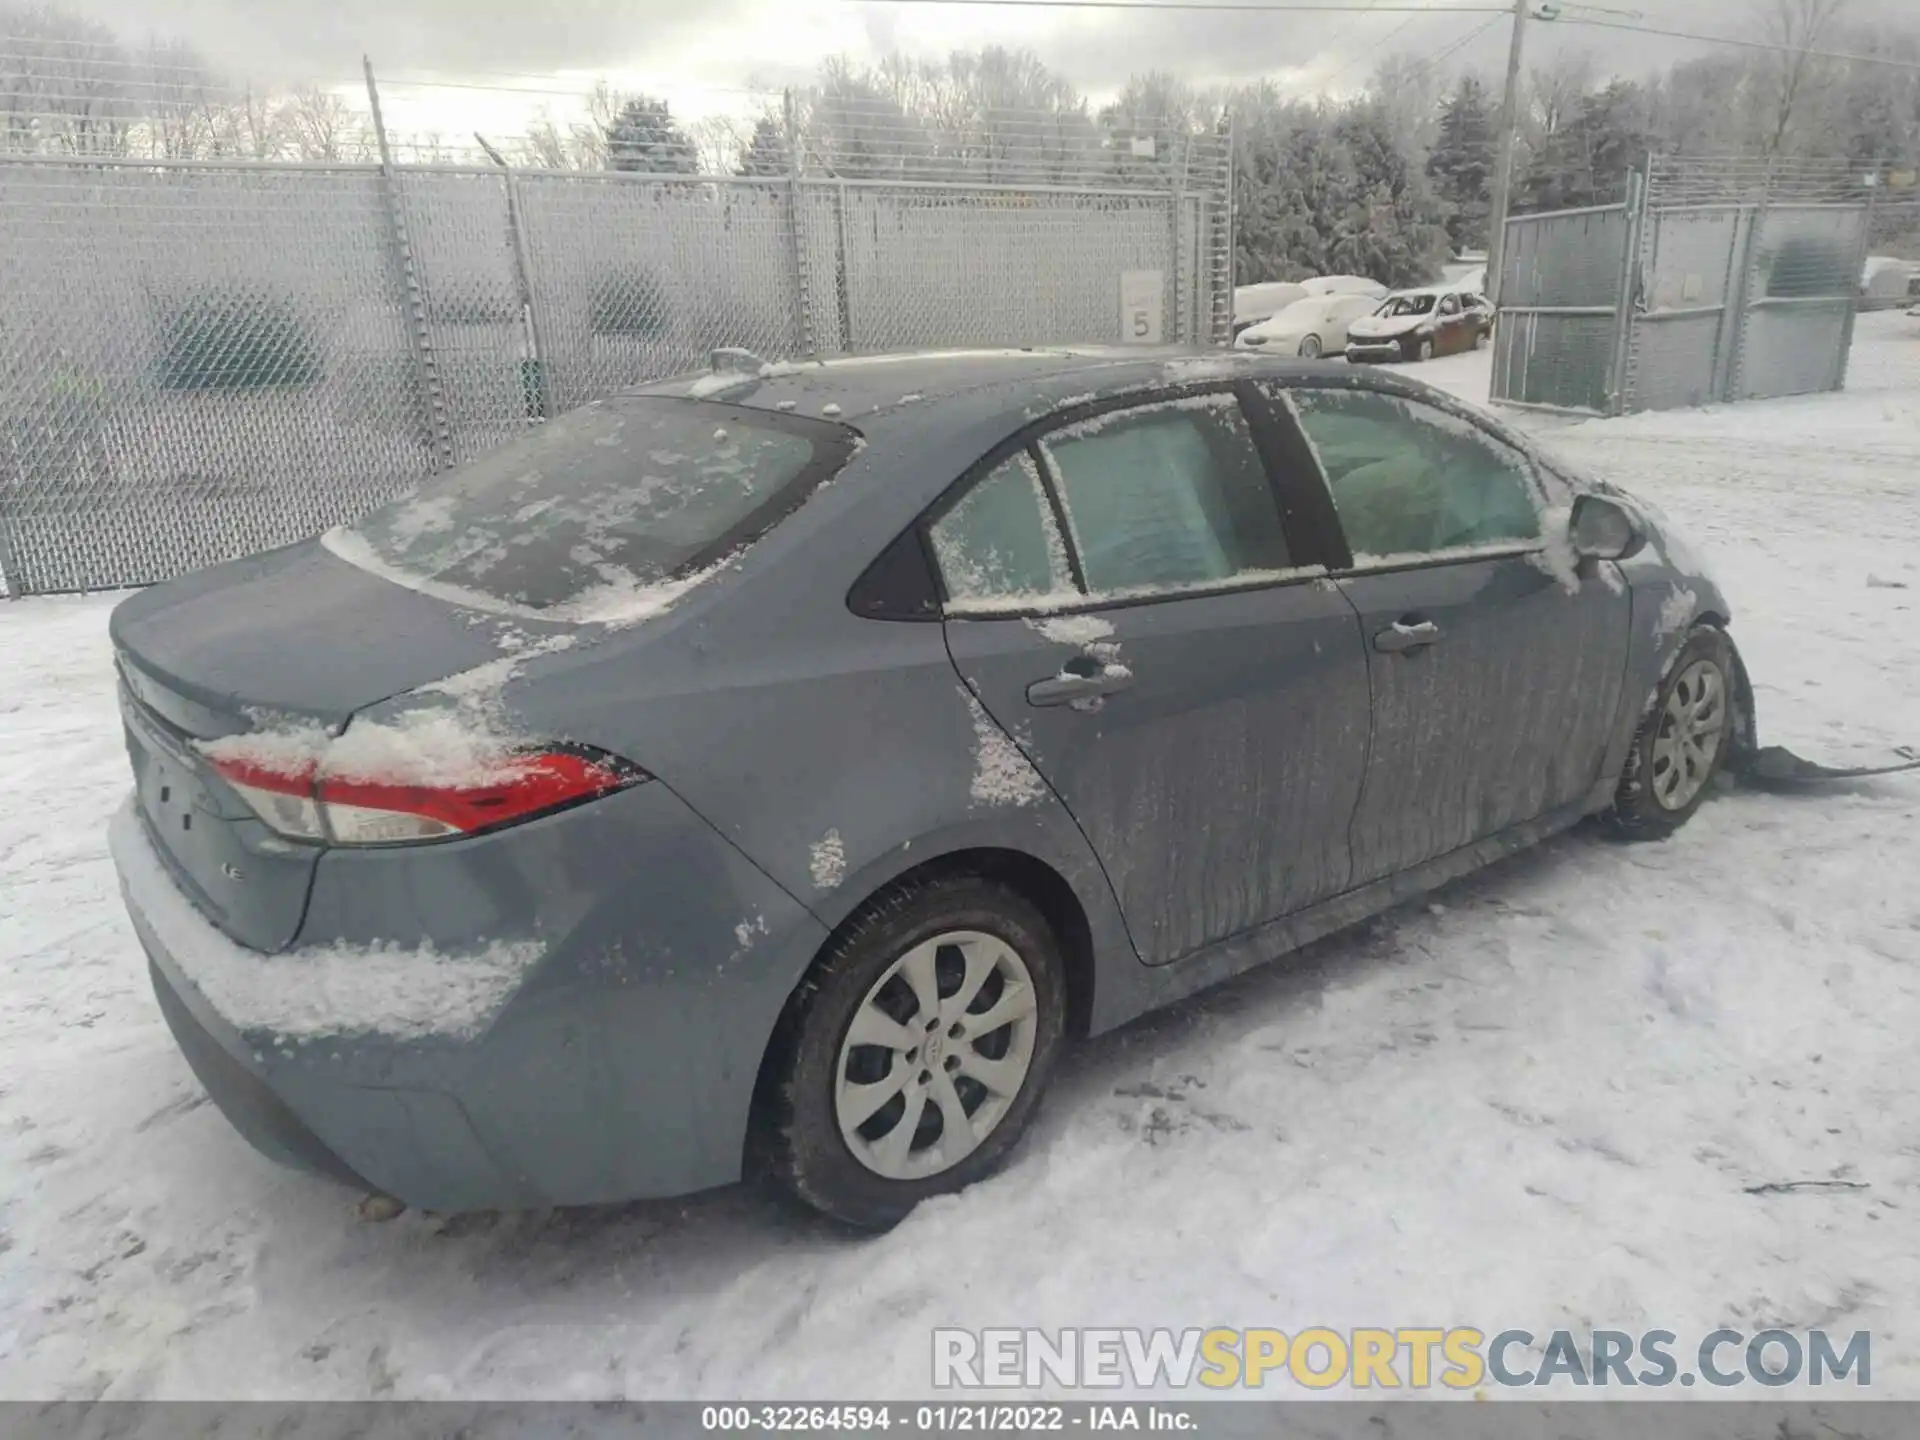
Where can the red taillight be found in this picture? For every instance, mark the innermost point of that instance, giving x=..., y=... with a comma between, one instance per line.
x=306, y=803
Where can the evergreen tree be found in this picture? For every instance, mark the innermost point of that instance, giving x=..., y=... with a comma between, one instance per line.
x=1461, y=164
x=644, y=139
x=1585, y=162
x=1388, y=224
x=766, y=152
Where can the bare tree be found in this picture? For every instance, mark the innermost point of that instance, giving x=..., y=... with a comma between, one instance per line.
x=545, y=146
x=720, y=141
x=1796, y=26
x=66, y=84
x=1554, y=91
x=181, y=97
x=254, y=126
x=323, y=126
x=1406, y=86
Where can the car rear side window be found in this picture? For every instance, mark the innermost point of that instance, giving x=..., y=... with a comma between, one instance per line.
x=1409, y=480
x=619, y=495
x=998, y=545
x=1167, y=496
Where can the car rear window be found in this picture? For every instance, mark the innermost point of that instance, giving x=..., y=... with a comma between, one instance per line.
x=617, y=496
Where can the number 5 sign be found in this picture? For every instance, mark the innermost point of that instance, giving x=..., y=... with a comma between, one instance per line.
x=1140, y=305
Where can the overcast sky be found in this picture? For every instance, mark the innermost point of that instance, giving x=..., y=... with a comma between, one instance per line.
x=704, y=55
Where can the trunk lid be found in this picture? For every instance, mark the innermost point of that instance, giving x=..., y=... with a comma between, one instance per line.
x=292, y=637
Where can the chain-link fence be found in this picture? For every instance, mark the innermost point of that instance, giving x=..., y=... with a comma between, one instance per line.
x=198, y=360
x=1718, y=280
x=1558, y=328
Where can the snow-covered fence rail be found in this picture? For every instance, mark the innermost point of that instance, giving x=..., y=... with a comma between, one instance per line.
x=1717, y=280
x=202, y=359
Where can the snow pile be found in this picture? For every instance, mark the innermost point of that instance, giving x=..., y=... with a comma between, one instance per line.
x=719, y=383
x=624, y=602
x=1216, y=401
x=1082, y=630
x=443, y=748
x=452, y=734
x=1557, y=557
x=387, y=990
x=827, y=861
x=1676, y=612
x=1002, y=775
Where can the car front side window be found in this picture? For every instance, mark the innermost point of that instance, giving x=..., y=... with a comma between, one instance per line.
x=1167, y=496
x=1410, y=481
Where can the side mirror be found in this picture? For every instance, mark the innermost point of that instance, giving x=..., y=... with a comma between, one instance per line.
x=1603, y=529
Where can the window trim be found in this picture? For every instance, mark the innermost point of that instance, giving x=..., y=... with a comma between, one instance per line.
x=1029, y=438
x=1453, y=555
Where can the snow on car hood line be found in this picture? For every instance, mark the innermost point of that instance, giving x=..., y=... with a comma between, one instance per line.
x=1377, y=327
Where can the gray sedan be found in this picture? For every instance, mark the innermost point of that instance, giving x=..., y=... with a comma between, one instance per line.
x=766, y=773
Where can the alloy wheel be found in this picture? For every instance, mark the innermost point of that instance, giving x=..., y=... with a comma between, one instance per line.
x=936, y=1054
x=1693, y=726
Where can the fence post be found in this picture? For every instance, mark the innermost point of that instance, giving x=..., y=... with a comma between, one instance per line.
x=843, y=273
x=1756, y=232
x=803, y=337
x=1618, y=378
x=439, y=431
x=1182, y=316
x=534, y=386
x=1221, y=321
x=1860, y=269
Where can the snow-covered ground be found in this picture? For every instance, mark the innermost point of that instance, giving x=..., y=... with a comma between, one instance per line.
x=1535, y=1103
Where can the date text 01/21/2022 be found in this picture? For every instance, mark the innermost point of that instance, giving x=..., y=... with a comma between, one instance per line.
x=941, y=1419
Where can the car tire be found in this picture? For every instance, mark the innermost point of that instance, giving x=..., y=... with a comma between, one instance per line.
x=1666, y=779
x=1482, y=338
x=1424, y=350
x=817, y=1065
x=1310, y=348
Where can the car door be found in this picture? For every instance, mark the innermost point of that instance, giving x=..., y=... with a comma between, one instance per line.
x=1479, y=318
x=1495, y=680
x=1450, y=327
x=1124, y=598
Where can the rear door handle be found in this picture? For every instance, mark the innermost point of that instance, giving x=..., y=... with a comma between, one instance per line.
x=1072, y=685
x=1402, y=636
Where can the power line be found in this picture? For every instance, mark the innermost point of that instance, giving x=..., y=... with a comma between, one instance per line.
x=1430, y=63
x=1267, y=7
x=1773, y=46
x=1462, y=43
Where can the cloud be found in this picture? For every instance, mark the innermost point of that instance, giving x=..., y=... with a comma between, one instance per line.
x=697, y=53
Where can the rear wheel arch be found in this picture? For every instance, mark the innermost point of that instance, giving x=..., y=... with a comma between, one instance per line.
x=1033, y=879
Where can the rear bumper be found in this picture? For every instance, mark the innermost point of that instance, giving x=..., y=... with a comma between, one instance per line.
x=614, y=1061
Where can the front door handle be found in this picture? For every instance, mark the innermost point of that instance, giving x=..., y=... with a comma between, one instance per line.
x=1402, y=636
x=1078, y=682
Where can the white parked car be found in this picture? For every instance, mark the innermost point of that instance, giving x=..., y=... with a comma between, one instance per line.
x=1254, y=303
x=1887, y=282
x=1312, y=327
x=1344, y=285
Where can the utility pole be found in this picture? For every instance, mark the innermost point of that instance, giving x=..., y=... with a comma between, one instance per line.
x=1503, y=164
